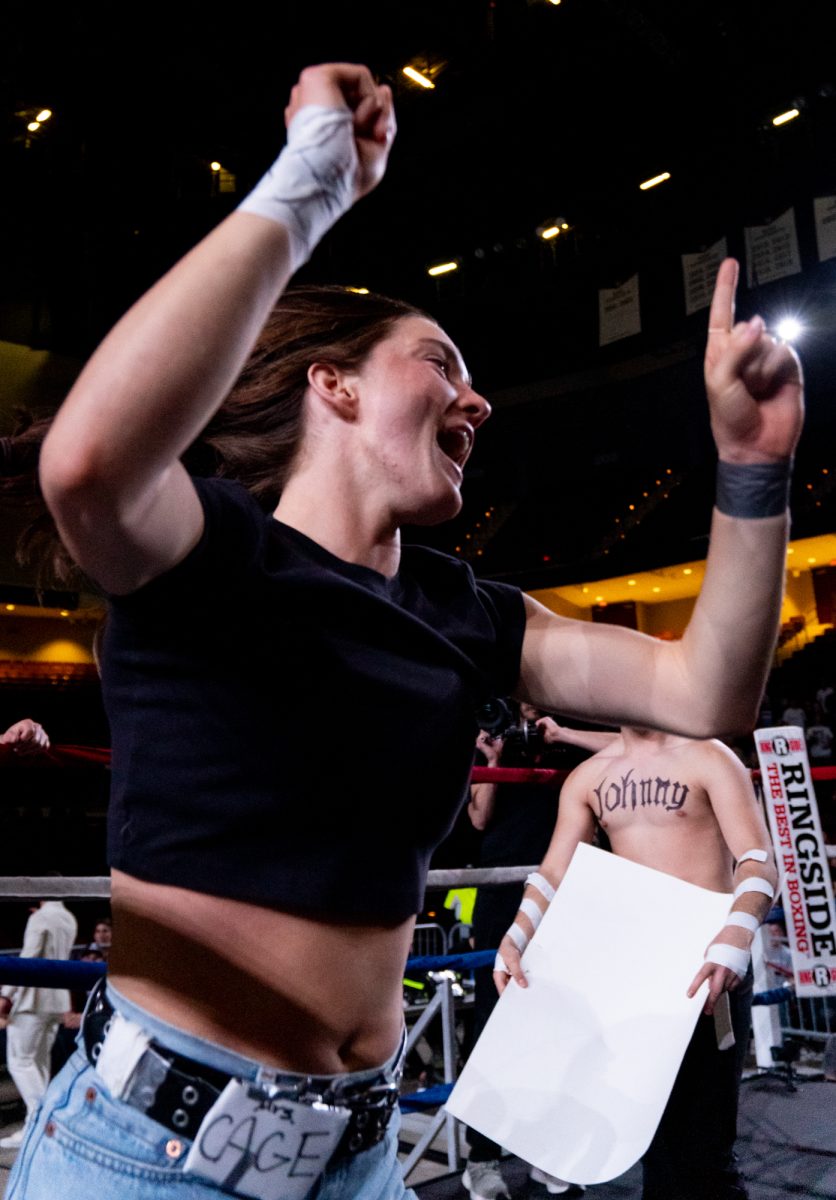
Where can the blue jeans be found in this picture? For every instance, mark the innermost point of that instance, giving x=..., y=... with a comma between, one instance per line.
x=83, y=1143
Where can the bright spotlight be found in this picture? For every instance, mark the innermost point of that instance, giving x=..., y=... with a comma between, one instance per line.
x=33, y=126
x=44, y=115
x=215, y=166
x=789, y=329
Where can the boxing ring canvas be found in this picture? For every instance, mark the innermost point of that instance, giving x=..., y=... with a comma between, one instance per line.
x=572, y=1074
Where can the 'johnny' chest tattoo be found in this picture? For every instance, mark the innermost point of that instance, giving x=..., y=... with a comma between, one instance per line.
x=624, y=793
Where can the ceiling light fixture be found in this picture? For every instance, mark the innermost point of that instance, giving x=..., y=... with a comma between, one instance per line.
x=552, y=229
x=649, y=183
x=783, y=117
x=443, y=268
x=416, y=77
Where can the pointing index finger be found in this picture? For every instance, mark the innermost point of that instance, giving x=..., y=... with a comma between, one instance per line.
x=721, y=314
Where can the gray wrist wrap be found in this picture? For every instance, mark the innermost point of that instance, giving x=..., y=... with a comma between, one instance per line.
x=753, y=489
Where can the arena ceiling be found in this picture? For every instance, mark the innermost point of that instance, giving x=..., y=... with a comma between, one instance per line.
x=541, y=114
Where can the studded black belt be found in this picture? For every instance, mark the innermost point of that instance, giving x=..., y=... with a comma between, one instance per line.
x=178, y=1092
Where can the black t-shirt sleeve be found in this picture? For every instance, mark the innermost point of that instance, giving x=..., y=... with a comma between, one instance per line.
x=233, y=529
x=506, y=611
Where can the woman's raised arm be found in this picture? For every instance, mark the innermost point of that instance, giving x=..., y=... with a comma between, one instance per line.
x=110, y=474
x=709, y=683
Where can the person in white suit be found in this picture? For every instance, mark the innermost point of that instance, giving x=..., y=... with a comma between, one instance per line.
x=34, y=1013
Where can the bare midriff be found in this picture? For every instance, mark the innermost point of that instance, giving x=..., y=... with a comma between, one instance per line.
x=305, y=995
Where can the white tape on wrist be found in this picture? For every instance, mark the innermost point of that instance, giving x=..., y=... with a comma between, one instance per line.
x=753, y=856
x=499, y=965
x=538, y=881
x=754, y=884
x=533, y=911
x=312, y=182
x=518, y=936
x=744, y=920
x=732, y=957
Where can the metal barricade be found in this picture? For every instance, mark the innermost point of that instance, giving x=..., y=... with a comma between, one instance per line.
x=458, y=938
x=809, y=1017
x=429, y=939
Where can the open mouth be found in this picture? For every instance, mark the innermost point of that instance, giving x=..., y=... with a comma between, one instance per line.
x=456, y=444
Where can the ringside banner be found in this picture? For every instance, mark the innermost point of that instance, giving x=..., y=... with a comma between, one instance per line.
x=801, y=856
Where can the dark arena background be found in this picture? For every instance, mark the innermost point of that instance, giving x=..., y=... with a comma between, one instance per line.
x=566, y=175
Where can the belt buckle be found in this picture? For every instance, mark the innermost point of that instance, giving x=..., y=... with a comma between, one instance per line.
x=371, y=1112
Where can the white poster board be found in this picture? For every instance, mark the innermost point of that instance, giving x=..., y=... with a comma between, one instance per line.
x=795, y=826
x=618, y=312
x=573, y=1073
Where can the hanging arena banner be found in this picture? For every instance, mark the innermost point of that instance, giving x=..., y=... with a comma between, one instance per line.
x=801, y=857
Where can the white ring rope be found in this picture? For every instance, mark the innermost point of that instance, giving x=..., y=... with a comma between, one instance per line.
x=97, y=887
x=54, y=887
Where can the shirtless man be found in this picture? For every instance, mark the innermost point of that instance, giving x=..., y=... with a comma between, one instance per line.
x=687, y=808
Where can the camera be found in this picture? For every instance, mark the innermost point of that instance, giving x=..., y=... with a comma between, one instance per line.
x=522, y=738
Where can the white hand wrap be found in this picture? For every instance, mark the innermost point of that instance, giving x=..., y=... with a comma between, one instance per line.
x=753, y=856
x=754, y=884
x=312, y=182
x=500, y=965
x=533, y=911
x=729, y=956
x=518, y=936
x=538, y=881
x=744, y=920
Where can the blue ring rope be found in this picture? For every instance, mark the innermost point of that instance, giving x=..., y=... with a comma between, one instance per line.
x=80, y=976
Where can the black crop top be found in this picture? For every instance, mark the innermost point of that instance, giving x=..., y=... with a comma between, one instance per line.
x=294, y=730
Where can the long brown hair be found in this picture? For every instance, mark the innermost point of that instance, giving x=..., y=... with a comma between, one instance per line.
x=256, y=434
x=38, y=544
